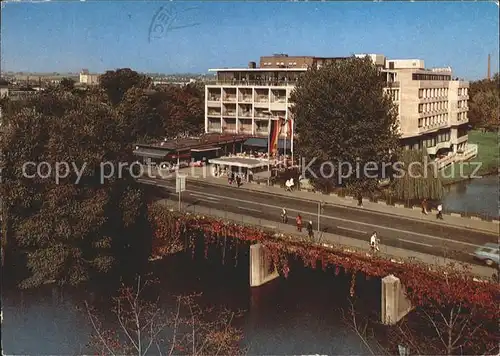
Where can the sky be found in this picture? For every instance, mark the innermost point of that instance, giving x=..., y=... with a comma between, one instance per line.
x=103, y=35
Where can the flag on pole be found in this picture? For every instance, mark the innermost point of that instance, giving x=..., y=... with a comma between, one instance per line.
x=274, y=134
x=289, y=130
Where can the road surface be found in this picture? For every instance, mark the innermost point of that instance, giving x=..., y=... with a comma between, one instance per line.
x=415, y=235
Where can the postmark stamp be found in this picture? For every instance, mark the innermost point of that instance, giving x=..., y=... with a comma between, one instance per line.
x=169, y=18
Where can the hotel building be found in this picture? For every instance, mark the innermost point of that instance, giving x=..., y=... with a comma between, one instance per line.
x=432, y=105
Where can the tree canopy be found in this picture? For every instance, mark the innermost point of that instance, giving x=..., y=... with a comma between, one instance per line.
x=117, y=82
x=344, y=115
x=484, y=103
x=82, y=224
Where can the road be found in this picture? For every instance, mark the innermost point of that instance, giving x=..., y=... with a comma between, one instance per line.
x=414, y=235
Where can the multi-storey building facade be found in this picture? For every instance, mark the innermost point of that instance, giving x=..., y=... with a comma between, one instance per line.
x=432, y=106
x=89, y=78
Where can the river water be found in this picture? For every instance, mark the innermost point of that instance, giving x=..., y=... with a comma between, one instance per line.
x=474, y=197
x=299, y=315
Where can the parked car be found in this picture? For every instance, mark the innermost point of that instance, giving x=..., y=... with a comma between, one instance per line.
x=488, y=254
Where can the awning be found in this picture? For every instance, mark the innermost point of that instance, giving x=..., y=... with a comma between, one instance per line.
x=262, y=143
x=206, y=149
x=150, y=152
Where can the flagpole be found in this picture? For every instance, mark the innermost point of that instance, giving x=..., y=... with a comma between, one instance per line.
x=284, y=149
x=268, y=150
x=291, y=143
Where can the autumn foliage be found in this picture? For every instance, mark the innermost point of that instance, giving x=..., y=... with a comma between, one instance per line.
x=436, y=289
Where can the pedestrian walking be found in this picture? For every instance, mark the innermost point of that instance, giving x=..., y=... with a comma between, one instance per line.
x=298, y=221
x=310, y=231
x=439, y=214
x=424, y=206
x=374, y=241
x=238, y=180
x=360, y=199
x=284, y=216
x=230, y=177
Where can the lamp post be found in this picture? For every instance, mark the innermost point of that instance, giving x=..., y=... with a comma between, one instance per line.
x=321, y=204
x=269, y=118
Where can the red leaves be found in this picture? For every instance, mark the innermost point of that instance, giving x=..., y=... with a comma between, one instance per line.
x=446, y=286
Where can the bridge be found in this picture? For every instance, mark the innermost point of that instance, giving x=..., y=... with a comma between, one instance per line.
x=430, y=242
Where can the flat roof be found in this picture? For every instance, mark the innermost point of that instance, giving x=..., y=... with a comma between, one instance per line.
x=258, y=70
x=243, y=162
x=189, y=143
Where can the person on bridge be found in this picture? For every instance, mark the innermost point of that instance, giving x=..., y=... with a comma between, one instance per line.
x=440, y=212
x=298, y=221
x=374, y=241
x=284, y=216
x=310, y=229
x=424, y=206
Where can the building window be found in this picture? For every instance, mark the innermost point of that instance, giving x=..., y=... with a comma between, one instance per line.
x=420, y=123
x=420, y=108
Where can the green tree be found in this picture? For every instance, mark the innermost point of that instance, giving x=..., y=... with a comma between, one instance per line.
x=141, y=121
x=67, y=84
x=117, y=82
x=343, y=115
x=182, y=110
x=68, y=231
x=484, y=103
x=417, y=179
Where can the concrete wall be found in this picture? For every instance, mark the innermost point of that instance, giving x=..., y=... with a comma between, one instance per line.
x=395, y=305
x=261, y=269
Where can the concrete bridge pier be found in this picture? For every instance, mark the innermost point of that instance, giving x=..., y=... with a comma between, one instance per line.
x=395, y=305
x=262, y=270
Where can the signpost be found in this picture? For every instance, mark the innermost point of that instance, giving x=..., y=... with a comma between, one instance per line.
x=180, y=186
x=321, y=204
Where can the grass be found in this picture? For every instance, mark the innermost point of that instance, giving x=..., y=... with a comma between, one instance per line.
x=488, y=147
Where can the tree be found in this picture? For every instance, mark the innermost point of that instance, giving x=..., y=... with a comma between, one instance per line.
x=484, y=108
x=144, y=325
x=116, y=83
x=141, y=120
x=70, y=228
x=182, y=110
x=67, y=84
x=485, y=103
x=417, y=178
x=343, y=116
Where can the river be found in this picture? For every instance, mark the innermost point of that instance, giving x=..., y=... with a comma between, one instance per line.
x=297, y=315
x=474, y=197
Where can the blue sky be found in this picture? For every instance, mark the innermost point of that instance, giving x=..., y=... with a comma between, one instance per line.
x=101, y=35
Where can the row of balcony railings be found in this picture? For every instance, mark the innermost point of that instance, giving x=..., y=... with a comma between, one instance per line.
x=266, y=83
x=257, y=114
x=249, y=99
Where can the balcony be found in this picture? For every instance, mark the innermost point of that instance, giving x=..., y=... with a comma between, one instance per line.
x=229, y=98
x=256, y=83
x=213, y=113
x=393, y=85
x=229, y=113
x=242, y=113
x=214, y=98
x=245, y=98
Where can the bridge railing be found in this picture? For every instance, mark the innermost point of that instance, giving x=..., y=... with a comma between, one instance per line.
x=398, y=250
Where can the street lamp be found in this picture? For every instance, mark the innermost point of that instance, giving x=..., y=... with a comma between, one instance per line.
x=321, y=205
x=269, y=118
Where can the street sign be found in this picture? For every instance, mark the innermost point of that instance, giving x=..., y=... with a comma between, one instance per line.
x=180, y=183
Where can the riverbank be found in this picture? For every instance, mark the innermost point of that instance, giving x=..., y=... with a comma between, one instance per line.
x=487, y=156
